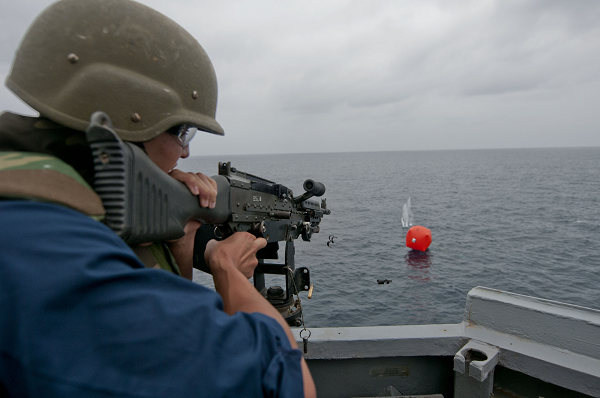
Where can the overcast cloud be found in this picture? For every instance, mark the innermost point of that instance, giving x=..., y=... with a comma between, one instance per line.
x=342, y=76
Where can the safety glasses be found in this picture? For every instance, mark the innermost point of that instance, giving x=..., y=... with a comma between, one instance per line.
x=185, y=133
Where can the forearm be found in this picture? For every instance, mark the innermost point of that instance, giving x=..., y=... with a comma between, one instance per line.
x=183, y=258
x=232, y=262
x=239, y=295
x=183, y=249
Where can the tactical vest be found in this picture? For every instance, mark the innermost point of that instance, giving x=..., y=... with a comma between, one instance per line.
x=45, y=178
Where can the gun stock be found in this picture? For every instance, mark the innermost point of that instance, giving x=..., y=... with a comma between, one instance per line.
x=142, y=203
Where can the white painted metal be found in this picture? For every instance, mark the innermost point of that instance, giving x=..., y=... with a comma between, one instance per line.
x=551, y=341
x=477, y=369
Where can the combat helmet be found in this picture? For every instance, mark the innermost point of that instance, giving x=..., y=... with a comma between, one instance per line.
x=119, y=57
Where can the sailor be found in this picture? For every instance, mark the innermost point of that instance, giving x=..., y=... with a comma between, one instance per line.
x=81, y=315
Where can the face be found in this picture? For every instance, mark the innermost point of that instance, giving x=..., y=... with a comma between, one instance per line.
x=165, y=150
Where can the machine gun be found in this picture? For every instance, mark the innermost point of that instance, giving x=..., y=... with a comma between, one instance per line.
x=144, y=204
x=270, y=211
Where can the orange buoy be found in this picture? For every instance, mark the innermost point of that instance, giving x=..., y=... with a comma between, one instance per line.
x=418, y=238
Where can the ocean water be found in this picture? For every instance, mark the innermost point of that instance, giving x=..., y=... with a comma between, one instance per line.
x=520, y=220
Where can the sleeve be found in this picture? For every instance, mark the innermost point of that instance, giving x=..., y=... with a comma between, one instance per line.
x=82, y=317
x=282, y=373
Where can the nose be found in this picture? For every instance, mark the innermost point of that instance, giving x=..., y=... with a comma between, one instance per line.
x=185, y=152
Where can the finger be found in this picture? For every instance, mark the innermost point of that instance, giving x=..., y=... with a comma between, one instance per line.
x=241, y=235
x=259, y=243
x=208, y=191
x=213, y=203
x=198, y=184
x=189, y=179
x=191, y=226
x=208, y=180
x=207, y=194
x=210, y=246
x=253, y=262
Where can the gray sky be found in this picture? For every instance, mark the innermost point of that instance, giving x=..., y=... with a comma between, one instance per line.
x=345, y=76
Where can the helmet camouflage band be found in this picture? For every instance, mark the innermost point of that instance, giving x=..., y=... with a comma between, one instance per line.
x=119, y=57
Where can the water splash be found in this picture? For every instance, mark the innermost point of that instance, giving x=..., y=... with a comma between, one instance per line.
x=407, y=216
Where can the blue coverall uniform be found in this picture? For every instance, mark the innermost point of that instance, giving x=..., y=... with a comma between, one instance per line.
x=80, y=316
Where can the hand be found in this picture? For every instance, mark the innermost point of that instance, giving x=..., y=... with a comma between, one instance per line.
x=237, y=251
x=198, y=184
x=183, y=248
